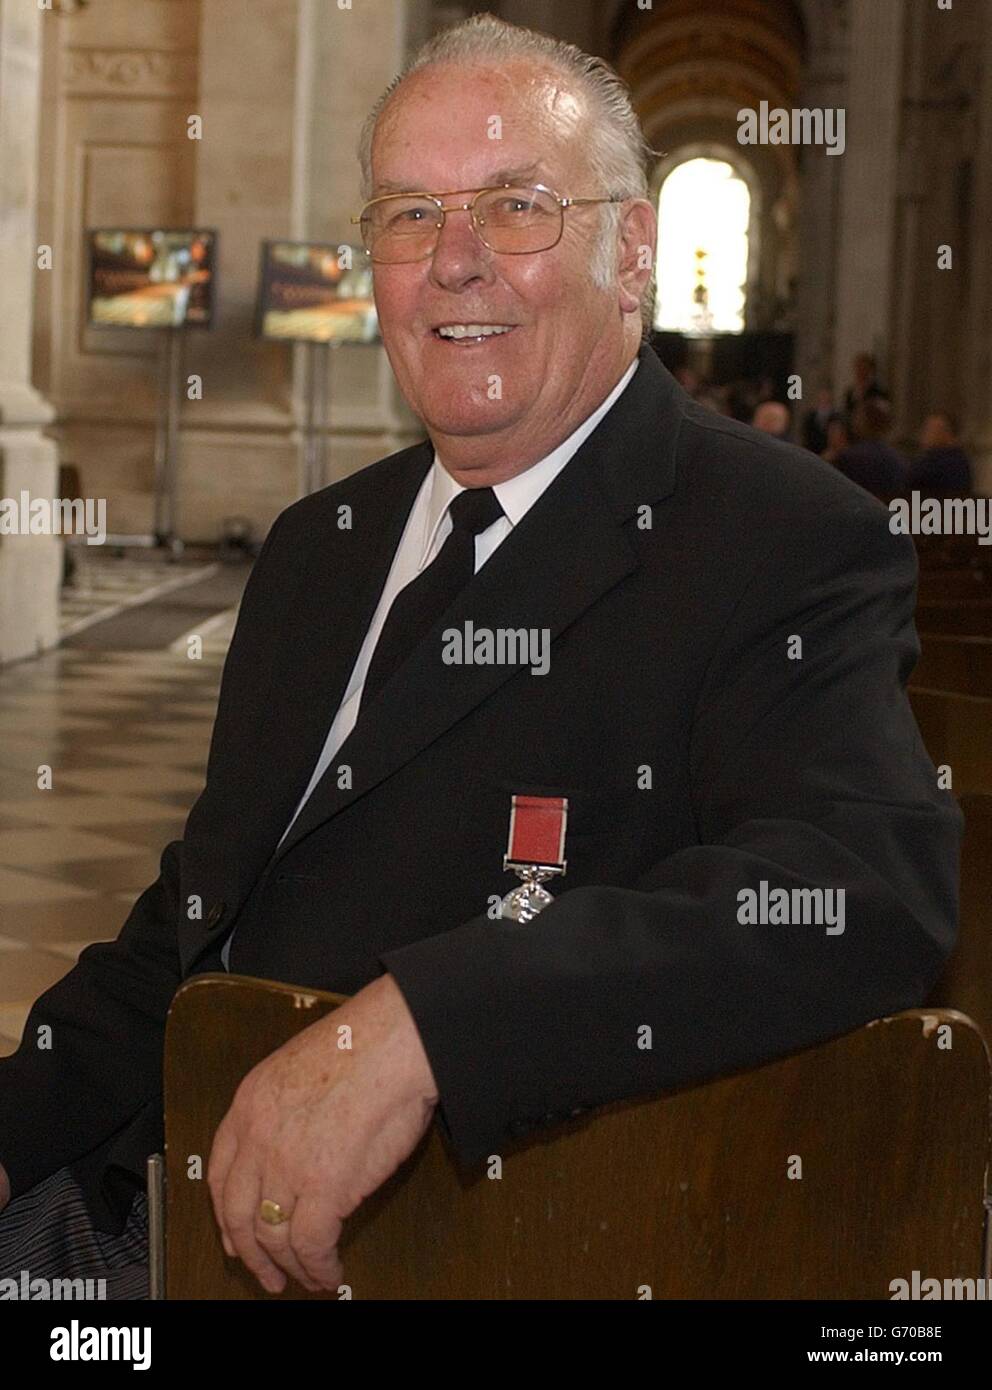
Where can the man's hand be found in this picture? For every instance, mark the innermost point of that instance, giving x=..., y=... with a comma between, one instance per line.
x=318, y=1126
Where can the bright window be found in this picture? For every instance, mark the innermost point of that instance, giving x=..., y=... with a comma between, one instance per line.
x=703, y=212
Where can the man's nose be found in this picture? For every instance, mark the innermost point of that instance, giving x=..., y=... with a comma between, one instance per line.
x=460, y=254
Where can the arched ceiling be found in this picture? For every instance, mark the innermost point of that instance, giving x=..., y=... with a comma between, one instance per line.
x=785, y=17
x=693, y=64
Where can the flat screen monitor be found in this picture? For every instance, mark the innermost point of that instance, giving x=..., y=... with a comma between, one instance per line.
x=143, y=277
x=310, y=292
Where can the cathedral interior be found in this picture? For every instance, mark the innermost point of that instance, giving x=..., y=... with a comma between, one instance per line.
x=822, y=176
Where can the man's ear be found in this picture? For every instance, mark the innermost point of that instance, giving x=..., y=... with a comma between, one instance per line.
x=638, y=240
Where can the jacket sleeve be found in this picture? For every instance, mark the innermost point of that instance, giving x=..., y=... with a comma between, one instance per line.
x=808, y=771
x=91, y=1053
x=90, y=1057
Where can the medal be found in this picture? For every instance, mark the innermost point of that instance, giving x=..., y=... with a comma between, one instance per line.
x=535, y=852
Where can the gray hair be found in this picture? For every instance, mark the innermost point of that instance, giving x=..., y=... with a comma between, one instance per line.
x=618, y=154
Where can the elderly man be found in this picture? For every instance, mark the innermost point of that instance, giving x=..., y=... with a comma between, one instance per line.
x=727, y=627
x=772, y=417
x=943, y=468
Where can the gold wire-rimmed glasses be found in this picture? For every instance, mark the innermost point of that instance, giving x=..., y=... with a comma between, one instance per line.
x=511, y=219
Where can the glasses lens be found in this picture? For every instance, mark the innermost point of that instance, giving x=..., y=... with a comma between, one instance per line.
x=400, y=228
x=518, y=220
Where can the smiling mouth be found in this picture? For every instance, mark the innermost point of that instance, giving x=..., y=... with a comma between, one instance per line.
x=471, y=332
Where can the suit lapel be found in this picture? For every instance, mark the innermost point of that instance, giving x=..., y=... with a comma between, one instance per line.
x=567, y=552
x=334, y=601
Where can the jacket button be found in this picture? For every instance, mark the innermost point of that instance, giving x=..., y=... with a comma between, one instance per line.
x=215, y=914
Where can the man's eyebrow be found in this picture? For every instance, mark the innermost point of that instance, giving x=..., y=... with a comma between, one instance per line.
x=520, y=171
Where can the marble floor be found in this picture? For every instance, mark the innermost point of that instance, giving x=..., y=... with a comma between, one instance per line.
x=125, y=736
x=103, y=585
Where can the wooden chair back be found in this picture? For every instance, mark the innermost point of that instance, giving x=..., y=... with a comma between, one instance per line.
x=825, y=1175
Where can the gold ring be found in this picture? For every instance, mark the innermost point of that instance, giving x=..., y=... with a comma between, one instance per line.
x=272, y=1213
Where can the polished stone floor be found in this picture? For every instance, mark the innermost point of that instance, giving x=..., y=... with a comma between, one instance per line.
x=103, y=585
x=125, y=735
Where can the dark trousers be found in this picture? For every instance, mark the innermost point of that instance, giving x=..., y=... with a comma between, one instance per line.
x=46, y=1233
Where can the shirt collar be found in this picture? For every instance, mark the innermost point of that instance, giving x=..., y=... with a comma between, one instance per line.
x=520, y=493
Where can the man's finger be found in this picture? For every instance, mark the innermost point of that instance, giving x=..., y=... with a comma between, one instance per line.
x=222, y=1154
x=314, y=1236
x=241, y=1199
x=277, y=1242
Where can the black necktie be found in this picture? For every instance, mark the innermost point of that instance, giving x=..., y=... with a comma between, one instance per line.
x=417, y=607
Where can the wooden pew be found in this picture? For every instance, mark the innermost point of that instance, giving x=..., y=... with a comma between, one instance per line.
x=957, y=731
x=967, y=982
x=687, y=1196
x=965, y=617
x=942, y=585
x=957, y=665
x=952, y=552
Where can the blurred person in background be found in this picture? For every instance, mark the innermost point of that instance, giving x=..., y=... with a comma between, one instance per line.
x=864, y=387
x=870, y=461
x=772, y=417
x=943, y=468
x=815, y=421
x=838, y=438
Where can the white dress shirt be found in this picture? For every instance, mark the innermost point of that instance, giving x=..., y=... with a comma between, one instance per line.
x=427, y=528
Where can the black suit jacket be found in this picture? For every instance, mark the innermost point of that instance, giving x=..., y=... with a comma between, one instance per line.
x=875, y=466
x=941, y=473
x=673, y=560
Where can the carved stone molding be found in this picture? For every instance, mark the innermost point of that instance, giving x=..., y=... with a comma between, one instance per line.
x=120, y=71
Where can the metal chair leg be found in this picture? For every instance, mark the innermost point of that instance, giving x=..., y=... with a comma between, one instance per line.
x=156, y=1226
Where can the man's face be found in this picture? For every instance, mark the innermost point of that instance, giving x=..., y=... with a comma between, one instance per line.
x=936, y=433
x=771, y=417
x=566, y=333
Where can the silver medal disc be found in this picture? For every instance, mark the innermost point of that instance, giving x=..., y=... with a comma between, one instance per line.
x=523, y=903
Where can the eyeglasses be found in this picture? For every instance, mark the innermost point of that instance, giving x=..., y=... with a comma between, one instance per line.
x=513, y=221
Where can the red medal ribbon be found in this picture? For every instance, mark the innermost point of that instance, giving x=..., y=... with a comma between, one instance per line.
x=537, y=831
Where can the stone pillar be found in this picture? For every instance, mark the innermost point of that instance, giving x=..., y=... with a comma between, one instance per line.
x=29, y=565
x=237, y=455
x=913, y=308
x=823, y=87
x=869, y=183
x=285, y=86
x=348, y=58
x=978, y=394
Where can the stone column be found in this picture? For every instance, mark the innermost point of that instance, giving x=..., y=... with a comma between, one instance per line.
x=29, y=565
x=347, y=59
x=869, y=181
x=285, y=86
x=912, y=308
x=978, y=394
x=237, y=454
x=823, y=87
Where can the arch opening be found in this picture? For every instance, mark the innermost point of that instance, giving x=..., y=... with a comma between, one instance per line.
x=704, y=216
